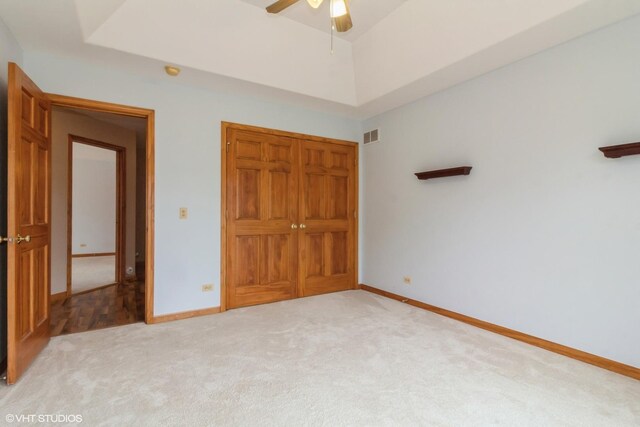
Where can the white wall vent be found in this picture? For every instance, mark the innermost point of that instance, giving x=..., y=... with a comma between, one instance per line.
x=372, y=136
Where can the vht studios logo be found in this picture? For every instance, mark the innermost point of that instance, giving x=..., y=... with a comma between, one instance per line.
x=43, y=418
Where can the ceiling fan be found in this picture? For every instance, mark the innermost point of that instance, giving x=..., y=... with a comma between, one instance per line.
x=339, y=10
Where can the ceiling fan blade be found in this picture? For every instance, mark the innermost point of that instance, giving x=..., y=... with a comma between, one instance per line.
x=343, y=23
x=280, y=5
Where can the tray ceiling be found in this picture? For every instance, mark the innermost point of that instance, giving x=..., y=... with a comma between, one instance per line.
x=399, y=50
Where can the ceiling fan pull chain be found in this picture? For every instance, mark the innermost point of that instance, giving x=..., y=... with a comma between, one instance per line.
x=332, y=25
x=332, y=38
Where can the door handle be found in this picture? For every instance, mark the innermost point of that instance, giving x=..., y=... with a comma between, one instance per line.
x=302, y=226
x=21, y=239
x=294, y=226
x=16, y=240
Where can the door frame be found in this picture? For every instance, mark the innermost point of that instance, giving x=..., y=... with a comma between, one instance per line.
x=224, y=127
x=149, y=115
x=120, y=207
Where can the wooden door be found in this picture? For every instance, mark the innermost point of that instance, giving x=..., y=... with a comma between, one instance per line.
x=262, y=183
x=29, y=215
x=327, y=248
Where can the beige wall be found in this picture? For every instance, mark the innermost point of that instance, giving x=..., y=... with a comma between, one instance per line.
x=67, y=122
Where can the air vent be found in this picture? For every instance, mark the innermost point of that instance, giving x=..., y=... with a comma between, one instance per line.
x=372, y=136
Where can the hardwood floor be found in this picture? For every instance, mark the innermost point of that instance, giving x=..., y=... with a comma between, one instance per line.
x=115, y=305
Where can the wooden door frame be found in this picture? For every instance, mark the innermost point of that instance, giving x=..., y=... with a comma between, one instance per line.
x=149, y=116
x=121, y=206
x=224, y=127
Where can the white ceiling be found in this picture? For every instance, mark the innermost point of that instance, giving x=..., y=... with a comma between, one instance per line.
x=398, y=51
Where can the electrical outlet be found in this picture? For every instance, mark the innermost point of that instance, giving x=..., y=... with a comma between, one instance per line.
x=207, y=288
x=407, y=280
x=184, y=213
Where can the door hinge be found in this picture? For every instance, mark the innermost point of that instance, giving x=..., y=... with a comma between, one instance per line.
x=228, y=144
x=355, y=215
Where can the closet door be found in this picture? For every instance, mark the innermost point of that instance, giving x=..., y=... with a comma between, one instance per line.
x=327, y=255
x=262, y=184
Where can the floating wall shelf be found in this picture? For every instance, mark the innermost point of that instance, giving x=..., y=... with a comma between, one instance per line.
x=616, y=151
x=441, y=173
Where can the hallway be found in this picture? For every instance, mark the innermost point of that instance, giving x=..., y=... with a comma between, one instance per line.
x=114, y=305
x=92, y=272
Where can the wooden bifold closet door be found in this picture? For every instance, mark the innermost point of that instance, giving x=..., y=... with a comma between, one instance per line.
x=290, y=214
x=327, y=215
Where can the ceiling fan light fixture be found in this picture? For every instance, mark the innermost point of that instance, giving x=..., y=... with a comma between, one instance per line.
x=315, y=3
x=338, y=8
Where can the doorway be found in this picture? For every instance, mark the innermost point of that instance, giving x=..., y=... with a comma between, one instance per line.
x=95, y=214
x=98, y=219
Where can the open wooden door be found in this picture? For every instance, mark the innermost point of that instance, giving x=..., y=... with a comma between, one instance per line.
x=29, y=217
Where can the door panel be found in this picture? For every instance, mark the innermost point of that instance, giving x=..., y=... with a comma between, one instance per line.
x=314, y=259
x=314, y=190
x=24, y=325
x=41, y=189
x=339, y=251
x=338, y=197
x=262, y=181
x=41, y=267
x=26, y=160
x=276, y=262
x=29, y=201
x=328, y=206
x=247, y=256
x=279, y=195
x=248, y=195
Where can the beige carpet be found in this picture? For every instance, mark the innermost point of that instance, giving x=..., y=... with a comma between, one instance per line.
x=92, y=272
x=351, y=358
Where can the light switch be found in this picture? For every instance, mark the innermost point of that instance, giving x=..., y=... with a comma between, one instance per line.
x=184, y=213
